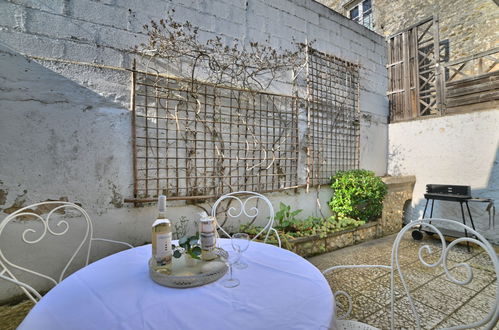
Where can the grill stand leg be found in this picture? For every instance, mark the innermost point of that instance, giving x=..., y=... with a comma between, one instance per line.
x=464, y=223
x=425, y=206
x=471, y=218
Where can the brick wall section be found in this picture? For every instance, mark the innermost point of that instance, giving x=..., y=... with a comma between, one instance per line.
x=470, y=26
x=112, y=27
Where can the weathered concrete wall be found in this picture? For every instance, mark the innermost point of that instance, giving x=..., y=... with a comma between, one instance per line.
x=459, y=149
x=470, y=26
x=65, y=128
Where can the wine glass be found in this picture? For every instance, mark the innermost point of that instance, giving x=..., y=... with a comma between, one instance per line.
x=240, y=243
x=230, y=258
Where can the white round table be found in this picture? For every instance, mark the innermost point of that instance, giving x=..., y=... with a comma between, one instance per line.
x=278, y=290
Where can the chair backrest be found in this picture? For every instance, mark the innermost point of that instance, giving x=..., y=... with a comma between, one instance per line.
x=246, y=205
x=460, y=273
x=37, y=225
x=433, y=254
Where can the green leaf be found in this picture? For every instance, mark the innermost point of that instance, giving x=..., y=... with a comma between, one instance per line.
x=183, y=240
x=195, y=252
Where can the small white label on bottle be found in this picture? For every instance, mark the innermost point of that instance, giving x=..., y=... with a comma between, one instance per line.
x=164, y=248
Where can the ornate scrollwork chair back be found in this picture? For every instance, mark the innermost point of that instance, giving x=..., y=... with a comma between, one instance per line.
x=38, y=226
x=245, y=204
x=430, y=255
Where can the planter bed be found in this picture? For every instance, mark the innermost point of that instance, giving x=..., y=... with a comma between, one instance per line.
x=314, y=245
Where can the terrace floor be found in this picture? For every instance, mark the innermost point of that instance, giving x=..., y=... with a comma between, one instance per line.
x=440, y=303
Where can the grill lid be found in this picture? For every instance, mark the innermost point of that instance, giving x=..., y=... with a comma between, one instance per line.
x=447, y=192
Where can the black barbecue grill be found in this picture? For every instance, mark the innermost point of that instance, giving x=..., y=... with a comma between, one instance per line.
x=453, y=193
x=447, y=193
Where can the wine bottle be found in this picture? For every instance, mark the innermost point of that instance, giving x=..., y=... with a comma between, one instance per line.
x=162, y=239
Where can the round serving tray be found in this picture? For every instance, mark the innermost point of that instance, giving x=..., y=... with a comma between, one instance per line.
x=188, y=276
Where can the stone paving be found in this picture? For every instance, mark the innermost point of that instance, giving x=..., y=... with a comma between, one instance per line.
x=439, y=302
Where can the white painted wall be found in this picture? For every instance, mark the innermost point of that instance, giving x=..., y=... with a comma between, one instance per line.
x=65, y=128
x=458, y=149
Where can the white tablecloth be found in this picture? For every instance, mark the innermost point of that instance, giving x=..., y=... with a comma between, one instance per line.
x=278, y=290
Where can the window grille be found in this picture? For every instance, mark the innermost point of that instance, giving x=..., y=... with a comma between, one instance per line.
x=194, y=140
x=333, y=128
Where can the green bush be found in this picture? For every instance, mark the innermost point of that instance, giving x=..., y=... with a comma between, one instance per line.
x=358, y=194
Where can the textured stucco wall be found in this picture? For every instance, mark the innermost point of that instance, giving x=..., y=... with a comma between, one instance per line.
x=471, y=26
x=65, y=127
x=459, y=149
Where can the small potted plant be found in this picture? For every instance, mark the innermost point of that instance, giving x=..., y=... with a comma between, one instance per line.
x=189, y=247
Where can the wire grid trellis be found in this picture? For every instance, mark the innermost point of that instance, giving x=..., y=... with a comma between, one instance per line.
x=194, y=139
x=333, y=116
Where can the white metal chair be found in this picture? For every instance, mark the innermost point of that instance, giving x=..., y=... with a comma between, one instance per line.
x=425, y=253
x=38, y=216
x=246, y=205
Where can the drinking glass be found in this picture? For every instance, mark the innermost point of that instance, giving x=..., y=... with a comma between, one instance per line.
x=240, y=243
x=231, y=258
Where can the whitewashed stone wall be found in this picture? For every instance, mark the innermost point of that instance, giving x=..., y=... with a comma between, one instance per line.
x=459, y=149
x=65, y=127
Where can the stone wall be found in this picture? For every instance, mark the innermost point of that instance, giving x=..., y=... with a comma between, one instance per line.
x=470, y=26
x=399, y=193
x=65, y=124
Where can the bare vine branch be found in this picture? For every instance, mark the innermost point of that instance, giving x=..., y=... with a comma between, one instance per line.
x=250, y=66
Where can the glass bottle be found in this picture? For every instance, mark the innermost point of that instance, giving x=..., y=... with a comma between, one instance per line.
x=162, y=239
